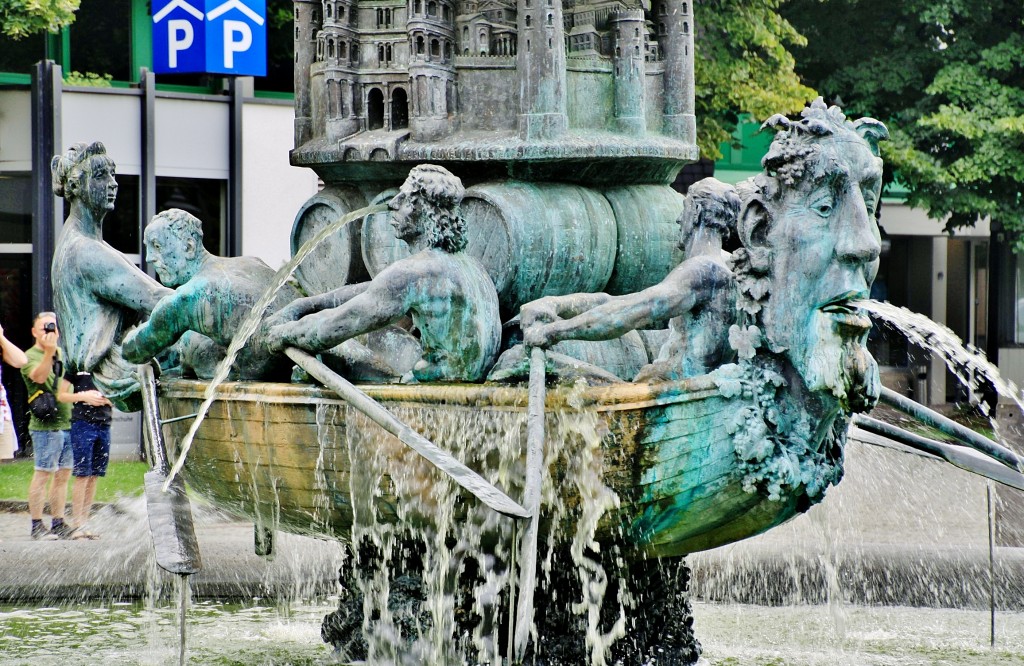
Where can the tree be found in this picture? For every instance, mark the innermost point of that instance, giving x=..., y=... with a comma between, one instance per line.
x=742, y=66
x=20, y=18
x=947, y=77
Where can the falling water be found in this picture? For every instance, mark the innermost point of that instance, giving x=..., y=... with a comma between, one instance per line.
x=252, y=322
x=967, y=363
x=410, y=518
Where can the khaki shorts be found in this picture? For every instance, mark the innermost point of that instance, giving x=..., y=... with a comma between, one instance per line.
x=7, y=441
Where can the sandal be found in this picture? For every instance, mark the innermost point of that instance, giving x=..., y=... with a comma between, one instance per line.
x=80, y=535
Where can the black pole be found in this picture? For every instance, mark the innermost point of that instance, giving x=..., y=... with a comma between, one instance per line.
x=233, y=231
x=147, y=200
x=46, y=90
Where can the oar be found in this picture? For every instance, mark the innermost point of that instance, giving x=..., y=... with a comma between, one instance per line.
x=444, y=461
x=531, y=498
x=170, y=514
x=965, y=435
x=964, y=459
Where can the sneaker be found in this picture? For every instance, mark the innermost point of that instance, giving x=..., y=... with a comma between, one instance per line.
x=42, y=532
x=63, y=531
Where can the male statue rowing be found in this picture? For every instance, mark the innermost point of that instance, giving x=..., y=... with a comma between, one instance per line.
x=448, y=294
x=212, y=299
x=697, y=299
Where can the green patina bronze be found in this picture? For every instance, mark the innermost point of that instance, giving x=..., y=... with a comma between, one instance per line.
x=553, y=131
x=97, y=292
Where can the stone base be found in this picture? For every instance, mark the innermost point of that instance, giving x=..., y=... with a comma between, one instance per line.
x=659, y=625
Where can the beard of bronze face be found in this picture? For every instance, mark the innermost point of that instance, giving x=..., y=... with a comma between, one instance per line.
x=838, y=364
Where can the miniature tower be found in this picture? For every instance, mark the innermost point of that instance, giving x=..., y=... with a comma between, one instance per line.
x=677, y=49
x=307, y=25
x=338, y=45
x=431, y=29
x=629, y=30
x=540, y=63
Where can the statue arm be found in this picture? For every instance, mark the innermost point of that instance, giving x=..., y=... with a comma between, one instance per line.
x=117, y=280
x=549, y=308
x=379, y=303
x=678, y=293
x=170, y=319
x=301, y=307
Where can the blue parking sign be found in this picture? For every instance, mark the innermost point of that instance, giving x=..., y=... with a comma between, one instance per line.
x=210, y=36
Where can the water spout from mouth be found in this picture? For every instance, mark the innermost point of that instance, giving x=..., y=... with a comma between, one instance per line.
x=967, y=363
x=252, y=322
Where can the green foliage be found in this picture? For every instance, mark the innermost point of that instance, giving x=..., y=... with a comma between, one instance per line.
x=88, y=79
x=20, y=18
x=947, y=77
x=742, y=66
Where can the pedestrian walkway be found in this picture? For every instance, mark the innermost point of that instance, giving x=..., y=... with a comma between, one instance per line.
x=120, y=564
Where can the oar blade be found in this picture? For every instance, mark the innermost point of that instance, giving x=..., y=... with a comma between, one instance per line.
x=170, y=524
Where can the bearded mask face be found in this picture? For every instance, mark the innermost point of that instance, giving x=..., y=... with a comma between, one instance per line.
x=812, y=222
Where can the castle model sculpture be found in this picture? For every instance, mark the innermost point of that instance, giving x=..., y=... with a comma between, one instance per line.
x=497, y=83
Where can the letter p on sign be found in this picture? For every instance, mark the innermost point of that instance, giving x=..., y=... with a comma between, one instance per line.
x=237, y=39
x=180, y=36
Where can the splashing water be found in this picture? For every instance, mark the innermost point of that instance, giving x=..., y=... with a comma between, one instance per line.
x=967, y=363
x=252, y=322
x=412, y=522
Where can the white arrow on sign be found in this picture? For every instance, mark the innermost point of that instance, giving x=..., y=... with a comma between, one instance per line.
x=178, y=4
x=234, y=4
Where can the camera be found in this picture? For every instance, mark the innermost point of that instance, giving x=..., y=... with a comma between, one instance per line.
x=49, y=327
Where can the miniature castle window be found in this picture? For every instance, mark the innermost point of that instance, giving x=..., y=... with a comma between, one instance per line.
x=375, y=109
x=528, y=21
x=686, y=27
x=550, y=19
x=431, y=8
x=328, y=8
x=435, y=49
x=686, y=8
x=636, y=51
x=380, y=54
x=330, y=48
x=296, y=33
x=419, y=45
x=527, y=4
x=636, y=32
x=418, y=7
x=341, y=13
x=399, y=109
x=446, y=13
x=662, y=9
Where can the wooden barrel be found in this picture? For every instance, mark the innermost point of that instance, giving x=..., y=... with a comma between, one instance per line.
x=623, y=357
x=338, y=260
x=648, y=236
x=534, y=239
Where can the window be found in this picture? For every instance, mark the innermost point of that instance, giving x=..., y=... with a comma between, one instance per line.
x=202, y=197
x=101, y=39
x=399, y=109
x=435, y=49
x=16, y=209
x=431, y=8
x=375, y=109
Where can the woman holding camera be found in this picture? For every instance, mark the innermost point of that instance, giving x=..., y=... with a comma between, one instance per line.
x=14, y=357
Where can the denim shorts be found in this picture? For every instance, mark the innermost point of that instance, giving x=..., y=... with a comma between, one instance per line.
x=52, y=449
x=91, y=444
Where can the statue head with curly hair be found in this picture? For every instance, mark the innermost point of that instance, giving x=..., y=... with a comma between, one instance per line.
x=174, y=246
x=84, y=175
x=425, y=212
x=710, y=204
x=810, y=248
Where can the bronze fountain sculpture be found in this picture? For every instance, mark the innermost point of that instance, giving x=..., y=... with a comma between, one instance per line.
x=549, y=198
